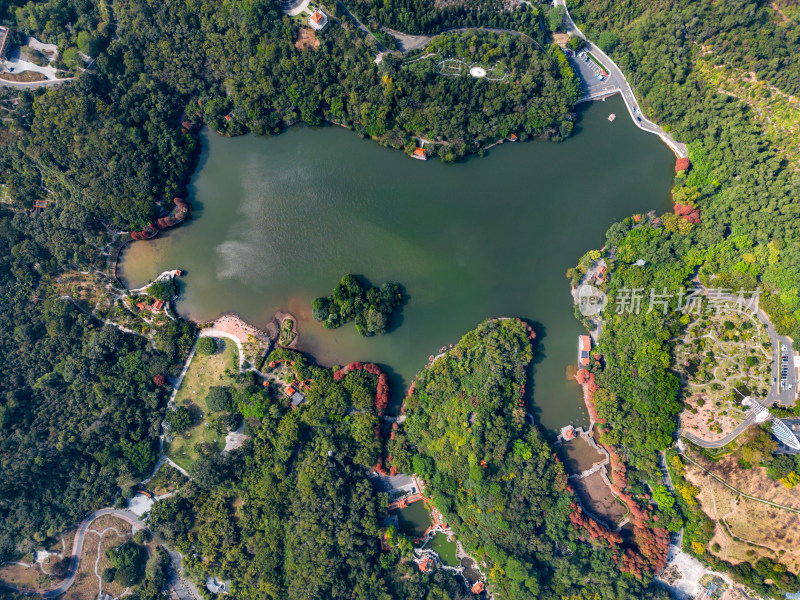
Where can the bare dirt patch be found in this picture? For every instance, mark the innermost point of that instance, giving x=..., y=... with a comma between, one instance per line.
x=765, y=531
x=746, y=530
x=561, y=39
x=27, y=577
x=111, y=521
x=754, y=482
x=85, y=584
x=597, y=498
x=306, y=39
x=24, y=77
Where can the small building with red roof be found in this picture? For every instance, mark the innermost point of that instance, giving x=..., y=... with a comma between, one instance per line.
x=419, y=153
x=584, y=347
x=317, y=20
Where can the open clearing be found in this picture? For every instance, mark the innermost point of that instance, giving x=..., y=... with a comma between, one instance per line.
x=28, y=577
x=306, y=39
x=205, y=371
x=167, y=480
x=754, y=482
x=747, y=530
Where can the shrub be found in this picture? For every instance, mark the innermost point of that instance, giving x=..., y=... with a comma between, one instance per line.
x=179, y=420
x=218, y=398
x=163, y=290
x=207, y=345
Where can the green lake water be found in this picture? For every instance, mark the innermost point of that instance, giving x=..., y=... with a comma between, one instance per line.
x=444, y=548
x=278, y=220
x=414, y=519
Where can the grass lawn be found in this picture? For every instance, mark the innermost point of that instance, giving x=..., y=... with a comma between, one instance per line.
x=597, y=62
x=204, y=372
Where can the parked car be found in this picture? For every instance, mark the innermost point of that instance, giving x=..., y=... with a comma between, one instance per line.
x=600, y=77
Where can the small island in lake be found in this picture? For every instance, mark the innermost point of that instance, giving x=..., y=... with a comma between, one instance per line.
x=354, y=298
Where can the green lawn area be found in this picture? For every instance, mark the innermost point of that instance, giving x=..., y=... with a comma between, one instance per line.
x=597, y=62
x=204, y=372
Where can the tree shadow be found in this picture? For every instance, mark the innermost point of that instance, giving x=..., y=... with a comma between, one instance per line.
x=397, y=389
x=539, y=354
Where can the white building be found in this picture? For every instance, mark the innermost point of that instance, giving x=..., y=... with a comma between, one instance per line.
x=318, y=20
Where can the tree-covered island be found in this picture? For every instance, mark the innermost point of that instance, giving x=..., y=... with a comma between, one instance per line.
x=353, y=298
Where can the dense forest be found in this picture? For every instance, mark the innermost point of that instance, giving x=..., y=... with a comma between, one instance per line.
x=81, y=400
x=293, y=514
x=79, y=410
x=734, y=225
x=497, y=482
x=420, y=17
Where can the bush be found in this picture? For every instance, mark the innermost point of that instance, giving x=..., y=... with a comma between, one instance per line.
x=141, y=536
x=163, y=290
x=206, y=345
x=179, y=420
x=128, y=560
x=575, y=43
x=108, y=574
x=218, y=399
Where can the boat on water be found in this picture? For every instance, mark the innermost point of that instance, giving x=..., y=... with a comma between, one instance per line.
x=611, y=117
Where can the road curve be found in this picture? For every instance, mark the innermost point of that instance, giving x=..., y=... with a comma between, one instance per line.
x=724, y=441
x=617, y=78
x=77, y=546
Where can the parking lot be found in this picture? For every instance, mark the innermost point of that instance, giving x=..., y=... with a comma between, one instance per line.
x=785, y=372
x=588, y=72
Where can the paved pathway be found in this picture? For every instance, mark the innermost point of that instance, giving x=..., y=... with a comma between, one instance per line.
x=77, y=545
x=662, y=464
x=221, y=334
x=749, y=420
x=31, y=85
x=185, y=589
x=295, y=8
x=619, y=84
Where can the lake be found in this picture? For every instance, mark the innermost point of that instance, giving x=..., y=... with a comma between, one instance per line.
x=278, y=221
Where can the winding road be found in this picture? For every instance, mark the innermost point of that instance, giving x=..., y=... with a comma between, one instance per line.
x=617, y=83
x=77, y=546
x=185, y=589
